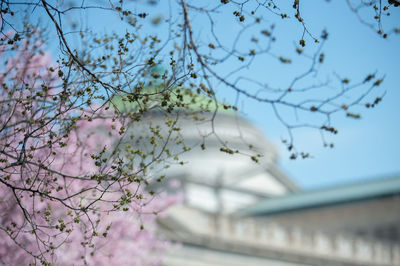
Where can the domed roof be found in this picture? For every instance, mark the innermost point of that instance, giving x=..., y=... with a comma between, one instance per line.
x=218, y=148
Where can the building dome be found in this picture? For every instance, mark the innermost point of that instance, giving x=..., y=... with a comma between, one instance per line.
x=225, y=163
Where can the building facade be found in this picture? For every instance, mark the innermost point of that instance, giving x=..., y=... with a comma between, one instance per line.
x=240, y=209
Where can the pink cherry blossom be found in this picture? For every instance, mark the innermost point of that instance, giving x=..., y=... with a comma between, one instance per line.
x=68, y=195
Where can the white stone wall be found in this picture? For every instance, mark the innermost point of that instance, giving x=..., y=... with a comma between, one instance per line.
x=252, y=233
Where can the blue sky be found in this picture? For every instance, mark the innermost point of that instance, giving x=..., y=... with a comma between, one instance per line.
x=365, y=148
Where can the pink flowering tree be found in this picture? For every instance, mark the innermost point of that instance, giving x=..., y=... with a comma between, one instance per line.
x=72, y=189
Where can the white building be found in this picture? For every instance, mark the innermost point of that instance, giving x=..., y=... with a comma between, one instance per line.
x=238, y=212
